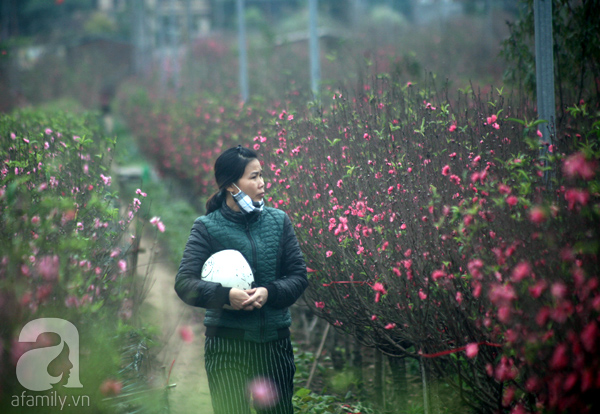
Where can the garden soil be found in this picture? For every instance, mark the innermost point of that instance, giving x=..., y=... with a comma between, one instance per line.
x=163, y=309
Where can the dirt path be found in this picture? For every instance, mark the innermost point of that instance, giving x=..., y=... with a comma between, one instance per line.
x=164, y=309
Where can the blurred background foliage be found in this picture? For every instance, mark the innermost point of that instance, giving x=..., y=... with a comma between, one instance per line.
x=162, y=76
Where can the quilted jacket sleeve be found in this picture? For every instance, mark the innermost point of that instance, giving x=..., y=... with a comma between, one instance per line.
x=286, y=290
x=188, y=285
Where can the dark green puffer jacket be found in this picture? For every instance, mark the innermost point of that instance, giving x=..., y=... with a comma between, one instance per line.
x=268, y=243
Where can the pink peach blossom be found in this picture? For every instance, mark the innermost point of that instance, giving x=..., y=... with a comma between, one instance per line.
x=48, y=267
x=378, y=287
x=536, y=290
x=589, y=336
x=575, y=196
x=111, y=387
x=504, y=189
x=512, y=200
x=520, y=272
x=122, y=265
x=537, y=215
x=186, y=333
x=560, y=358
x=576, y=166
x=263, y=392
x=472, y=350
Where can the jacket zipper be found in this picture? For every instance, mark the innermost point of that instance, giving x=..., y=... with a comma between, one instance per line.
x=254, y=261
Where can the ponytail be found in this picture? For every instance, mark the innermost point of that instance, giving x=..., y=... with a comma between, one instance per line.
x=215, y=201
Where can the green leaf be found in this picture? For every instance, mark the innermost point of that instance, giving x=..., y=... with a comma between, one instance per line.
x=518, y=121
x=302, y=392
x=335, y=141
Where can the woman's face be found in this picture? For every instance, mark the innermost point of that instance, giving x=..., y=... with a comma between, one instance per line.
x=251, y=182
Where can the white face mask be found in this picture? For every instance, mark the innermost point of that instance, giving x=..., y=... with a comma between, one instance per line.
x=246, y=204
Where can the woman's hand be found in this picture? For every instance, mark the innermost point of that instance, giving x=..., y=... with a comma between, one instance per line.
x=257, y=298
x=237, y=297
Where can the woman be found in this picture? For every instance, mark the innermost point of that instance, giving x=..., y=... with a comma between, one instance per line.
x=248, y=351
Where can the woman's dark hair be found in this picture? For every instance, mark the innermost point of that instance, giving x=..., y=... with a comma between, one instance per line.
x=229, y=167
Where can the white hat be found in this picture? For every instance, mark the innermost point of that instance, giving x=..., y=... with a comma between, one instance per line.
x=229, y=268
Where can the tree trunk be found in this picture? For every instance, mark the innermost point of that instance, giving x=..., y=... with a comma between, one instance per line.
x=431, y=403
x=357, y=362
x=399, y=397
x=378, y=383
x=337, y=357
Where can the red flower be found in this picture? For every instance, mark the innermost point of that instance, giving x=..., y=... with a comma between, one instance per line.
x=472, y=350
x=576, y=196
x=542, y=316
x=589, y=336
x=533, y=384
x=560, y=359
x=521, y=271
x=577, y=166
x=378, y=287
x=536, y=290
x=186, y=334
x=509, y=395
x=587, y=380
x=319, y=305
x=505, y=370
x=474, y=267
x=438, y=274
x=504, y=314
x=111, y=387
x=502, y=295
x=504, y=189
x=446, y=170
x=537, y=215
x=49, y=267
x=512, y=200
x=559, y=290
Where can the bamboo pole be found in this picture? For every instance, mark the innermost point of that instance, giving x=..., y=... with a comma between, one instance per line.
x=317, y=356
